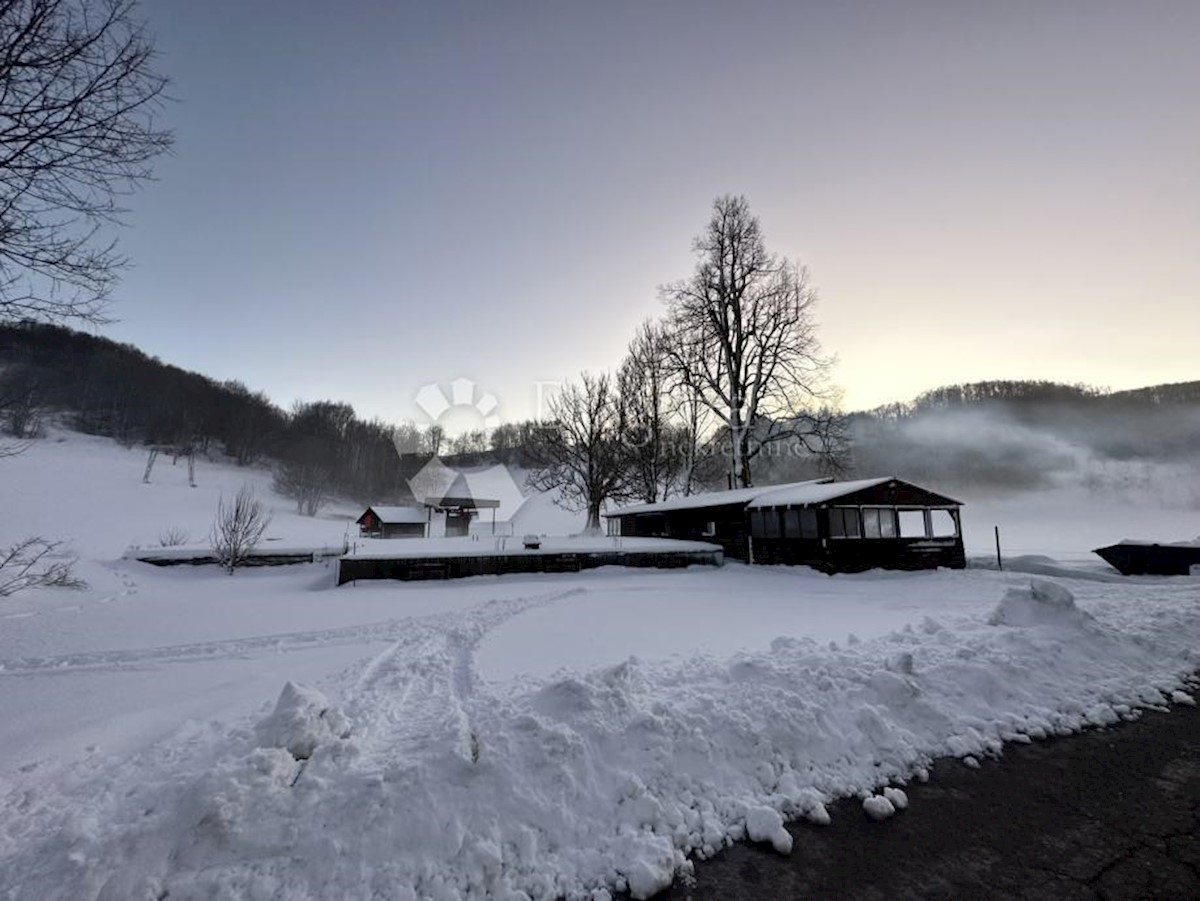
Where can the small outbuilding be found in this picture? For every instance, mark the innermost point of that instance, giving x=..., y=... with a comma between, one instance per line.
x=442, y=516
x=393, y=522
x=832, y=526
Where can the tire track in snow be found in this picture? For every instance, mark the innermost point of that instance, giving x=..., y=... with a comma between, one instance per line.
x=412, y=700
x=404, y=632
x=385, y=630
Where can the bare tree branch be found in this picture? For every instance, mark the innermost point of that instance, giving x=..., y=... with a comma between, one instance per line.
x=79, y=100
x=745, y=343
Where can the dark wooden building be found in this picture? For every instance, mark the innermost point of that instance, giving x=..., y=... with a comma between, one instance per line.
x=393, y=522
x=833, y=526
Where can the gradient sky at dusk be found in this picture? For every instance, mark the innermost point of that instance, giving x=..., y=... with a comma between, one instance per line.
x=366, y=197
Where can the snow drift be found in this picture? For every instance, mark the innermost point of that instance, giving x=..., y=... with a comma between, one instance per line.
x=423, y=781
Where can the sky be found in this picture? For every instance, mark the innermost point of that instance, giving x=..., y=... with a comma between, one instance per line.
x=370, y=197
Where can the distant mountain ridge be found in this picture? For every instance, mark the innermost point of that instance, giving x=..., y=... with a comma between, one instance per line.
x=1001, y=434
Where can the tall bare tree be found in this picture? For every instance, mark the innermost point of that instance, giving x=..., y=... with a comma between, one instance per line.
x=580, y=453
x=656, y=454
x=746, y=342
x=78, y=131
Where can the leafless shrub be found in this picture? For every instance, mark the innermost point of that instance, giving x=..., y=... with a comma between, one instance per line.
x=238, y=528
x=173, y=537
x=36, y=563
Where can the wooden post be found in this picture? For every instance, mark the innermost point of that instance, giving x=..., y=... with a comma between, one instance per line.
x=999, y=561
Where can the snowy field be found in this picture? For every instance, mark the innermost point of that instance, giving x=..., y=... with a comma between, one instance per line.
x=181, y=733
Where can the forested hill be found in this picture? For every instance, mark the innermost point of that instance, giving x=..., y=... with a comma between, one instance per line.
x=1011, y=434
x=1002, y=434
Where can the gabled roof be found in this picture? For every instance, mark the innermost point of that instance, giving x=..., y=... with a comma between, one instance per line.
x=798, y=494
x=819, y=493
x=396, y=515
x=740, y=496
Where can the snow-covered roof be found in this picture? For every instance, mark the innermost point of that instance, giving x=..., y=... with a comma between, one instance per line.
x=812, y=493
x=816, y=491
x=708, y=499
x=393, y=515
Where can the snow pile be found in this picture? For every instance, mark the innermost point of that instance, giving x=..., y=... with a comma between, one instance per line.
x=584, y=784
x=1041, y=604
x=303, y=718
x=878, y=807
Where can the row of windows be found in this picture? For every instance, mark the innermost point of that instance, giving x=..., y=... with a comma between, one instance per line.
x=853, y=522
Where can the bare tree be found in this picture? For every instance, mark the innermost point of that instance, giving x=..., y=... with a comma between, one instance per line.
x=78, y=131
x=238, y=528
x=35, y=563
x=655, y=451
x=579, y=453
x=746, y=342
x=308, y=484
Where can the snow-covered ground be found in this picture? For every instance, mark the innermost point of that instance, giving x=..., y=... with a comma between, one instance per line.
x=182, y=733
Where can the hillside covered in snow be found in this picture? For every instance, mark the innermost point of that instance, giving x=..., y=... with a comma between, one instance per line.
x=184, y=733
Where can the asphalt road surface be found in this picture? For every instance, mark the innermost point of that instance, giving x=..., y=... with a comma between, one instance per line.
x=1113, y=813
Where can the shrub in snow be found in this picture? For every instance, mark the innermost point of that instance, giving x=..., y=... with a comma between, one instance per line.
x=173, y=537
x=238, y=528
x=302, y=719
x=36, y=563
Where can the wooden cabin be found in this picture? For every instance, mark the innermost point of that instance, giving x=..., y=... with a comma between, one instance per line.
x=444, y=516
x=393, y=522
x=849, y=526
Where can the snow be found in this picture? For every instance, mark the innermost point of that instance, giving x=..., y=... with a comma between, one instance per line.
x=485, y=546
x=392, y=515
x=178, y=732
x=897, y=796
x=1143, y=542
x=813, y=492
x=707, y=499
x=878, y=807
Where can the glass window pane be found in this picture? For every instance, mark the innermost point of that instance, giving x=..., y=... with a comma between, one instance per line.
x=853, y=525
x=836, y=524
x=808, y=524
x=887, y=523
x=943, y=524
x=912, y=523
x=791, y=523
x=756, y=523
x=770, y=523
x=870, y=522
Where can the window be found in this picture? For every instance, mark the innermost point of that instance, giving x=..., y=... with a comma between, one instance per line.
x=912, y=523
x=710, y=529
x=770, y=524
x=756, y=524
x=843, y=523
x=808, y=524
x=870, y=516
x=943, y=524
x=791, y=523
x=887, y=522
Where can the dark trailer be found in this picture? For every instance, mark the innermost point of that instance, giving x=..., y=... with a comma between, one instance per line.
x=832, y=526
x=1145, y=558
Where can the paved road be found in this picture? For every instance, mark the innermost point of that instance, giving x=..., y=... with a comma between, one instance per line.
x=1105, y=814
